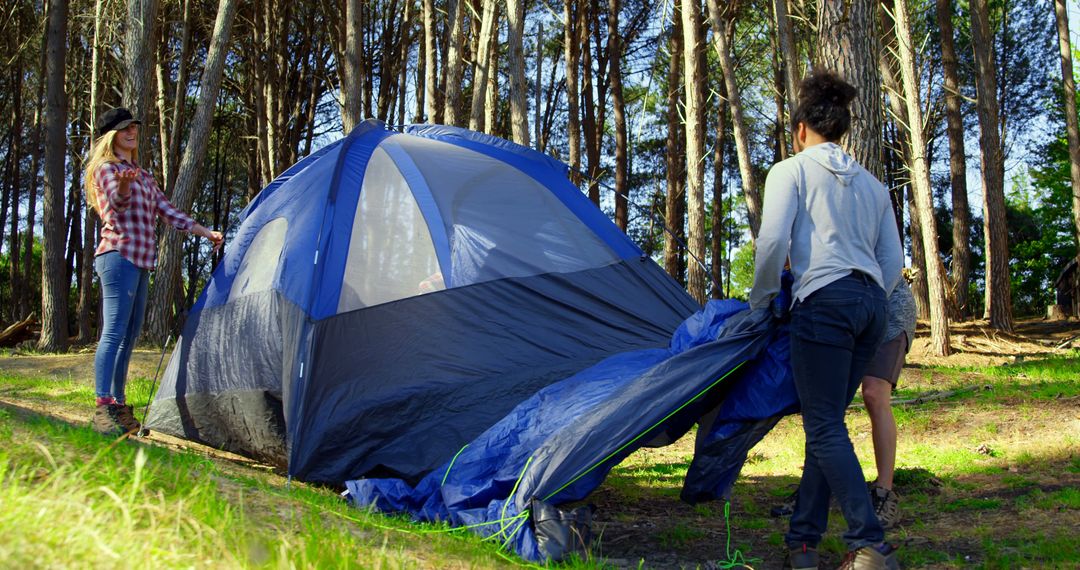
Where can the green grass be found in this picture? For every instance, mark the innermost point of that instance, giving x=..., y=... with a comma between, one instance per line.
x=73, y=498
x=980, y=474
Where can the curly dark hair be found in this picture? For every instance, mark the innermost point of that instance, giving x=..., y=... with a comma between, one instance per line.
x=823, y=104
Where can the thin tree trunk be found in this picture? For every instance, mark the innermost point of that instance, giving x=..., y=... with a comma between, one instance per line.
x=695, y=146
x=538, y=93
x=961, y=213
x=847, y=46
x=166, y=283
x=675, y=203
x=618, y=108
x=519, y=102
x=32, y=192
x=453, y=111
x=571, y=49
x=351, y=113
x=998, y=294
x=483, y=68
x=1072, y=127
x=54, y=293
x=789, y=57
x=139, y=60
x=920, y=182
x=718, y=257
x=491, y=95
x=723, y=25
x=591, y=125
x=179, y=99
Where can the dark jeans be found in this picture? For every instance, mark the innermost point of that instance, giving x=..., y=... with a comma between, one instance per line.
x=123, y=304
x=834, y=334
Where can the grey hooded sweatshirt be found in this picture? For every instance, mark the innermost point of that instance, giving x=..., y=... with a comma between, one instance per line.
x=830, y=216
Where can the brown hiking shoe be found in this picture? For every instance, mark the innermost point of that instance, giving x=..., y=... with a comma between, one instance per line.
x=886, y=505
x=871, y=558
x=126, y=417
x=106, y=420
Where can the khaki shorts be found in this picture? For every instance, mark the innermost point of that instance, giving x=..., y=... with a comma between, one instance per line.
x=889, y=360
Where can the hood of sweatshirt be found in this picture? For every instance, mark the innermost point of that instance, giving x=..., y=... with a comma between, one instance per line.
x=835, y=160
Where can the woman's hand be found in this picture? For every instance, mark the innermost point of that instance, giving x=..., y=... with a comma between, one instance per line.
x=215, y=237
x=124, y=178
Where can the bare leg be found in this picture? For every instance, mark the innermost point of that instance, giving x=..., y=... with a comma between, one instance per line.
x=877, y=394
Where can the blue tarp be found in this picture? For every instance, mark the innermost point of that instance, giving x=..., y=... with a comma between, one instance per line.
x=726, y=363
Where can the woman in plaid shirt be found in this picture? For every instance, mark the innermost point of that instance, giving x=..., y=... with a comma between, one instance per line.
x=128, y=200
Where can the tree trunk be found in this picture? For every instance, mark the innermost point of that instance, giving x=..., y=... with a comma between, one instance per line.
x=179, y=100
x=571, y=50
x=431, y=81
x=695, y=146
x=920, y=182
x=537, y=123
x=675, y=204
x=491, y=95
x=594, y=100
x=519, y=103
x=139, y=60
x=1072, y=127
x=54, y=293
x=723, y=22
x=160, y=321
x=718, y=238
x=789, y=56
x=961, y=250
x=453, y=111
x=351, y=96
x=32, y=193
x=618, y=108
x=483, y=68
x=847, y=46
x=995, y=231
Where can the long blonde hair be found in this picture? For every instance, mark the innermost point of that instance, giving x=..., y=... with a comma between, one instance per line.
x=100, y=153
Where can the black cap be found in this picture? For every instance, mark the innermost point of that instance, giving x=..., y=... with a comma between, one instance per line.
x=115, y=120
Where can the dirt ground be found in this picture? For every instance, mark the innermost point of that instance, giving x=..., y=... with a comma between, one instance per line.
x=634, y=528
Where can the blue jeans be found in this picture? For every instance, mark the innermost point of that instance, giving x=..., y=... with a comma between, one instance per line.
x=123, y=304
x=834, y=335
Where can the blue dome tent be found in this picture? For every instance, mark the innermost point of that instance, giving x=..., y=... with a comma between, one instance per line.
x=440, y=320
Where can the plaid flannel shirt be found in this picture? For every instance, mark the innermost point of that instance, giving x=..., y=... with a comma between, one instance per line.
x=128, y=223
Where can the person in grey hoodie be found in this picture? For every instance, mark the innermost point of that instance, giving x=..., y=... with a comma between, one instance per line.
x=833, y=221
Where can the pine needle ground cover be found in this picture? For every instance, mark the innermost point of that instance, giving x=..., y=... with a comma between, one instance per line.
x=988, y=474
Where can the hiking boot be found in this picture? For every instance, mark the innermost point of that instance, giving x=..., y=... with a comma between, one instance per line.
x=886, y=505
x=787, y=507
x=881, y=557
x=802, y=558
x=106, y=420
x=126, y=416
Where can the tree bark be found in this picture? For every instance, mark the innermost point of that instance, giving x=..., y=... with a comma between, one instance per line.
x=998, y=287
x=718, y=250
x=1072, y=127
x=483, y=68
x=789, y=56
x=431, y=81
x=519, y=103
x=591, y=124
x=723, y=21
x=166, y=283
x=453, y=111
x=618, y=113
x=571, y=50
x=139, y=58
x=919, y=168
x=350, y=71
x=491, y=95
x=961, y=250
x=847, y=46
x=675, y=203
x=54, y=293
x=695, y=146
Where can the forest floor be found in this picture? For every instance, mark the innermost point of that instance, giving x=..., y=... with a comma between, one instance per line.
x=988, y=466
